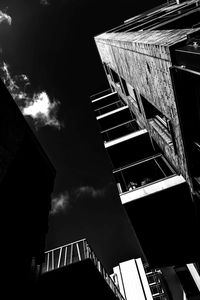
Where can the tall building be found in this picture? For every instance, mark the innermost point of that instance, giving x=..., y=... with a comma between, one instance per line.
x=149, y=119
x=150, y=130
x=26, y=183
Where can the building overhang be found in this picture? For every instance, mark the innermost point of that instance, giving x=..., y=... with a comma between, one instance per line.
x=165, y=224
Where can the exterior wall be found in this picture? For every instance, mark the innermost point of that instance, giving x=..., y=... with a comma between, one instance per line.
x=26, y=183
x=134, y=107
x=143, y=59
x=133, y=282
x=173, y=283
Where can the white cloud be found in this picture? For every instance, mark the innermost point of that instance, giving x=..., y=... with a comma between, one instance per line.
x=44, y=2
x=60, y=203
x=5, y=18
x=66, y=201
x=42, y=110
x=38, y=106
x=7, y=79
x=90, y=191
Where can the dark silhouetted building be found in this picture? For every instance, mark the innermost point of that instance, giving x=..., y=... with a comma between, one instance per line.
x=26, y=183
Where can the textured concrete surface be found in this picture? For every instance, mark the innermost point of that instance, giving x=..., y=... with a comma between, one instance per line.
x=143, y=60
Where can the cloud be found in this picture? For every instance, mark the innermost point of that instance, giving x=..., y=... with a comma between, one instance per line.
x=42, y=110
x=60, y=203
x=44, y=2
x=38, y=105
x=89, y=191
x=67, y=200
x=5, y=18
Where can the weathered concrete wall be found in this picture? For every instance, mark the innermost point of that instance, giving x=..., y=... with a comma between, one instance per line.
x=143, y=59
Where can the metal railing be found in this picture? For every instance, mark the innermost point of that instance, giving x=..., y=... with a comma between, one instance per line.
x=100, y=94
x=156, y=284
x=76, y=252
x=120, y=130
x=64, y=255
x=108, y=108
x=104, y=273
x=127, y=182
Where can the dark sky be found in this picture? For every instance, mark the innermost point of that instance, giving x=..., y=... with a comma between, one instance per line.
x=53, y=45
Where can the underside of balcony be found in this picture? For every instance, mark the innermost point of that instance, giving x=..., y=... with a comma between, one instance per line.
x=166, y=224
x=80, y=280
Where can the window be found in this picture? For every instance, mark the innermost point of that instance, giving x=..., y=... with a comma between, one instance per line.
x=159, y=122
x=124, y=85
x=106, y=68
x=152, y=112
x=133, y=95
x=114, y=76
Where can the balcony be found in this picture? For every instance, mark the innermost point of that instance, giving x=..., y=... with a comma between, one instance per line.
x=151, y=174
x=103, y=99
x=100, y=94
x=75, y=270
x=120, y=130
x=162, y=214
x=108, y=108
x=129, y=148
x=112, y=118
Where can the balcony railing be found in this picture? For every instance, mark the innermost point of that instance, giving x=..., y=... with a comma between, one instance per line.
x=156, y=283
x=141, y=173
x=108, y=108
x=120, y=130
x=76, y=252
x=100, y=94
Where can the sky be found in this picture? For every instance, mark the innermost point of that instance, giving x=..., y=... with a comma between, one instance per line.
x=50, y=64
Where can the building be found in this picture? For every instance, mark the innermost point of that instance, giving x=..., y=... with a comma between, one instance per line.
x=150, y=135
x=74, y=269
x=137, y=281
x=26, y=183
x=151, y=131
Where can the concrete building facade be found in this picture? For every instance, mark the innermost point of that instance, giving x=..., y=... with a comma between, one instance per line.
x=149, y=122
x=142, y=56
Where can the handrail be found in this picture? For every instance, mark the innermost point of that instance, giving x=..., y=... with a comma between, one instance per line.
x=119, y=125
x=148, y=184
x=78, y=251
x=104, y=273
x=107, y=105
x=126, y=183
x=99, y=93
x=65, y=245
x=137, y=162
